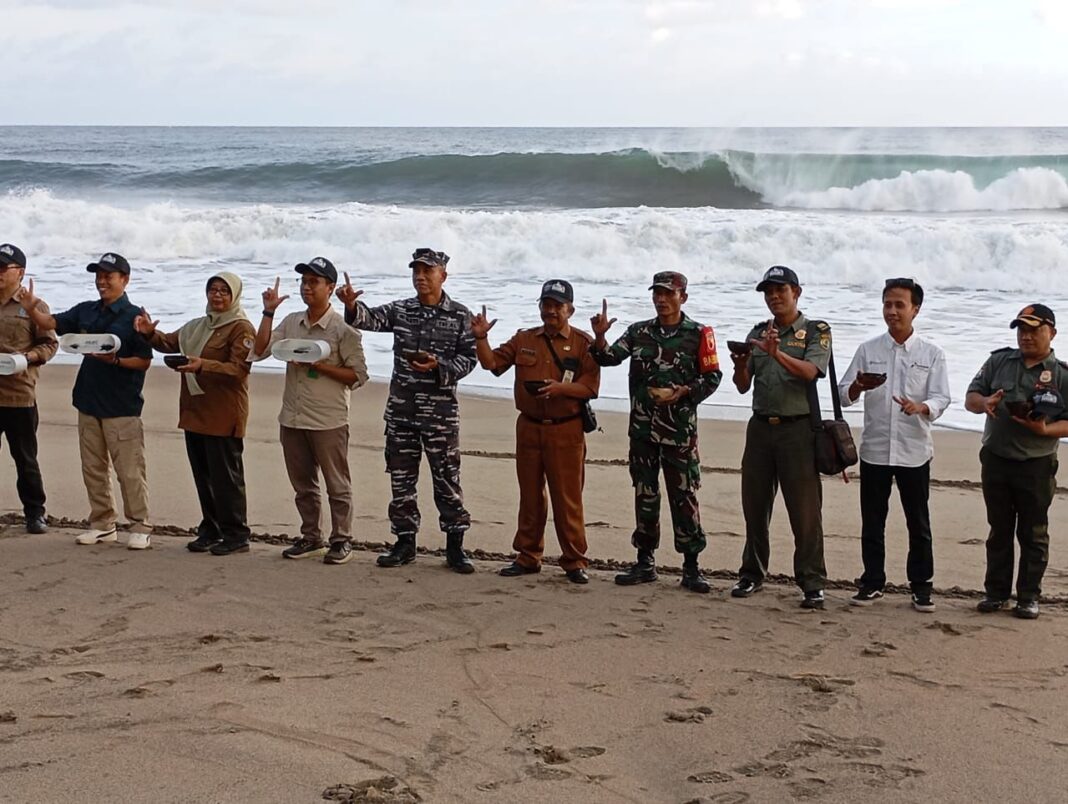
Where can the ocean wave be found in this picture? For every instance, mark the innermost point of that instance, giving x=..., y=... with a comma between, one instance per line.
x=628, y=178
x=602, y=246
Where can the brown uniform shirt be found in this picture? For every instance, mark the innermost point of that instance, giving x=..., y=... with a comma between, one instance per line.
x=529, y=352
x=222, y=410
x=19, y=335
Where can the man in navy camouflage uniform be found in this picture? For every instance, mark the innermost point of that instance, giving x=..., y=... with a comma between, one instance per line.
x=673, y=366
x=432, y=349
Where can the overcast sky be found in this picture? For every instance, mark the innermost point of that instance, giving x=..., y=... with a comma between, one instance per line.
x=535, y=62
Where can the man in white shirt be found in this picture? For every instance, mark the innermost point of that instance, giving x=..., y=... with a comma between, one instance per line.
x=906, y=387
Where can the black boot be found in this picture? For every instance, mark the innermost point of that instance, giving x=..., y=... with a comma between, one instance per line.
x=643, y=571
x=455, y=556
x=692, y=578
x=402, y=552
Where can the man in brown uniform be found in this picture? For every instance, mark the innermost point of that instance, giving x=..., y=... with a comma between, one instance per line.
x=554, y=376
x=20, y=335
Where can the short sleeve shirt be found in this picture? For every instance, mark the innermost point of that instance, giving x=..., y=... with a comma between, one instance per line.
x=777, y=392
x=1005, y=369
x=528, y=351
x=101, y=389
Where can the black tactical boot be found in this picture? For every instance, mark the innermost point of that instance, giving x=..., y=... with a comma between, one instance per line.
x=692, y=578
x=643, y=571
x=403, y=552
x=455, y=556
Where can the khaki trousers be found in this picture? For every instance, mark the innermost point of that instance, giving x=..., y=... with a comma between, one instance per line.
x=305, y=453
x=118, y=441
x=553, y=454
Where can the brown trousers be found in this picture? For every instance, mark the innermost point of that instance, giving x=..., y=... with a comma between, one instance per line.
x=305, y=453
x=553, y=453
x=120, y=442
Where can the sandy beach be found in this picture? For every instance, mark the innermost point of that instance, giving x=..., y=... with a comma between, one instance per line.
x=164, y=676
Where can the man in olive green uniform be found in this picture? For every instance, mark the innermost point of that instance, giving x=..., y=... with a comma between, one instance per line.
x=1022, y=392
x=673, y=366
x=784, y=355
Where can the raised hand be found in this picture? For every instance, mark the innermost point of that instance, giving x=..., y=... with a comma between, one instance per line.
x=480, y=326
x=25, y=297
x=769, y=342
x=990, y=403
x=601, y=323
x=271, y=300
x=144, y=325
x=348, y=294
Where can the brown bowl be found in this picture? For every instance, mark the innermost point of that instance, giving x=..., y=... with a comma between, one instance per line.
x=1021, y=408
x=739, y=347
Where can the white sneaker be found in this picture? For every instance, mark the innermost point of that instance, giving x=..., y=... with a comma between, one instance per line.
x=96, y=536
x=139, y=541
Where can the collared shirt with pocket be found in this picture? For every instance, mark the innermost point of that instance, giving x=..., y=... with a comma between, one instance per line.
x=19, y=335
x=915, y=370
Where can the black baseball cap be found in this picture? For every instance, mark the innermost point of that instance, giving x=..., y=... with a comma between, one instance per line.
x=320, y=266
x=1047, y=402
x=110, y=262
x=1034, y=315
x=427, y=256
x=12, y=255
x=672, y=280
x=559, y=289
x=778, y=275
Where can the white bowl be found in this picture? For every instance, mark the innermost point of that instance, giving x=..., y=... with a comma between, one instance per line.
x=92, y=344
x=300, y=350
x=12, y=364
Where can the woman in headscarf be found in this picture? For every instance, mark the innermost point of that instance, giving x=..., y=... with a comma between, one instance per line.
x=213, y=409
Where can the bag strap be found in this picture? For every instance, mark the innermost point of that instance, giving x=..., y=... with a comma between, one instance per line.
x=556, y=358
x=814, y=400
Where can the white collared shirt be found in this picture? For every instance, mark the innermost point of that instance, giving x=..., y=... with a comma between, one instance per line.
x=915, y=370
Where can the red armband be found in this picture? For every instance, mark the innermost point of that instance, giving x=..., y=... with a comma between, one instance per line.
x=707, y=359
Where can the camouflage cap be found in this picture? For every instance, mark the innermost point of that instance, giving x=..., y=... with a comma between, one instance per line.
x=427, y=256
x=672, y=280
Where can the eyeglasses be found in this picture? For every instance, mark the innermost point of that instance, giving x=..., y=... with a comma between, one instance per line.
x=220, y=290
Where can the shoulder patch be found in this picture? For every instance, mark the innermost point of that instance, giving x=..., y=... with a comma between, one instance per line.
x=822, y=326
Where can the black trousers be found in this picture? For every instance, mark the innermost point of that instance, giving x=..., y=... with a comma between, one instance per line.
x=1018, y=495
x=19, y=425
x=913, y=487
x=219, y=474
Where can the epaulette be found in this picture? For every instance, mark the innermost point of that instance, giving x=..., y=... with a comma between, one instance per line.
x=1003, y=349
x=1062, y=364
x=584, y=334
x=822, y=326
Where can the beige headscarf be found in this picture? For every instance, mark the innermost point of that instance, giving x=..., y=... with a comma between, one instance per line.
x=194, y=335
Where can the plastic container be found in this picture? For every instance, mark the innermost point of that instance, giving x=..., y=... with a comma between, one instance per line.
x=12, y=364
x=96, y=344
x=299, y=350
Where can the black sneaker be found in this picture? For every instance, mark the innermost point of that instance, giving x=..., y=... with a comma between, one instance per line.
x=865, y=596
x=339, y=553
x=1026, y=609
x=202, y=544
x=746, y=587
x=305, y=549
x=225, y=548
x=37, y=524
x=693, y=580
x=989, y=604
x=921, y=601
x=813, y=599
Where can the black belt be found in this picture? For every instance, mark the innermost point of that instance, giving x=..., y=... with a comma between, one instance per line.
x=550, y=421
x=779, y=419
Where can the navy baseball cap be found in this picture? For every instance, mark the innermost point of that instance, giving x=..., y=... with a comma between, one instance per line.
x=1034, y=315
x=12, y=255
x=559, y=289
x=1048, y=403
x=778, y=275
x=110, y=262
x=320, y=266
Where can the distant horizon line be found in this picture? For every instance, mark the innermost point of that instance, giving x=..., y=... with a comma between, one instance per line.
x=538, y=127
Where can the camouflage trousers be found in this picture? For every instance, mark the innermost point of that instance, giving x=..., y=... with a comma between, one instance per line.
x=404, y=448
x=682, y=478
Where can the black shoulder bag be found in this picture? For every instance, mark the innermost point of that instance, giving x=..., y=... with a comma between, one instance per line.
x=589, y=418
x=835, y=450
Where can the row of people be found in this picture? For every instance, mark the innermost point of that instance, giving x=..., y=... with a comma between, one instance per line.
x=674, y=365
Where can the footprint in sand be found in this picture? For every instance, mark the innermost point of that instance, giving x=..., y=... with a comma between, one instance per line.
x=710, y=777
x=696, y=714
x=385, y=790
x=551, y=755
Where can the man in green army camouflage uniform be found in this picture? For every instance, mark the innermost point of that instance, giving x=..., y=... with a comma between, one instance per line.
x=1022, y=393
x=784, y=355
x=673, y=366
